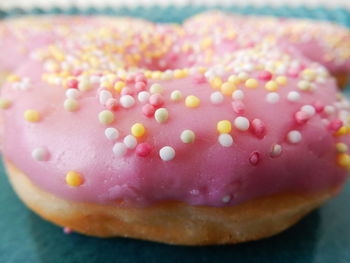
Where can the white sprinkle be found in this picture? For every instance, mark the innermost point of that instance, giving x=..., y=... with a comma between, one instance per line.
x=176, y=95
x=104, y=96
x=226, y=199
x=272, y=97
x=84, y=84
x=127, y=101
x=40, y=154
x=95, y=79
x=130, y=142
x=304, y=85
x=329, y=109
x=112, y=133
x=293, y=96
x=309, y=110
x=143, y=96
x=156, y=88
x=276, y=150
x=294, y=137
x=241, y=123
x=72, y=93
x=161, y=115
x=187, y=136
x=216, y=97
x=70, y=105
x=119, y=149
x=225, y=140
x=238, y=95
x=167, y=153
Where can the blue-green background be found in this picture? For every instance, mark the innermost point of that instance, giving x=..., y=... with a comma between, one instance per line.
x=321, y=237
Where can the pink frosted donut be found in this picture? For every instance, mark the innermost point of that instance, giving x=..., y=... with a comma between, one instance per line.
x=324, y=42
x=117, y=132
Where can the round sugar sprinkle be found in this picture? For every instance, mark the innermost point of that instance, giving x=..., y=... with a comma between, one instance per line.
x=127, y=101
x=225, y=140
x=130, y=142
x=216, y=97
x=241, y=123
x=294, y=137
x=272, y=97
x=161, y=115
x=188, y=136
x=119, y=149
x=167, y=153
x=40, y=154
x=293, y=96
x=112, y=133
x=143, y=96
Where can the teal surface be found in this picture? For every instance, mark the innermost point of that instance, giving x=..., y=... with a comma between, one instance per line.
x=321, y=237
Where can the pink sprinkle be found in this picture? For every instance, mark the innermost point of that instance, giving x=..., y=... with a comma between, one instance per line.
x=265, y=75
x=143, y=149
x=72, y=84
x=199, y=78
x=238, y=106
x=148, y=110
x=301, y=117
x=254, y=158
x=156, y=100
x=77, y=72
x=67, y=230
x=140, y=86
x=258, y=128
x=127, y=91
x=335, y=125
x=318, y=106
x=112, y=104
x=140, y=77
x=293, y=73
x=130, y=79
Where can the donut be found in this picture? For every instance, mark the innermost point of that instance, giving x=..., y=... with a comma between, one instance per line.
x=132, y=132
x=324, y=42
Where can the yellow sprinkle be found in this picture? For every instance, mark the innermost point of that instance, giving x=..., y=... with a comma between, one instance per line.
x=224, y=126
x=309, y=74
x=119, y=85
x=106, y=117
x=70, y=105
x=342, y=131
x=156, y=75
x=32, y=115
x=156, y=88
x=251, y=83
x=176, y=95
x=206, y=43
x=227, y=88
x=271, y=85
x=343, y=160
x=13, y=78
x=192, y=101
x=106, y=84
x=187, y=136
x=179, y=73
x=4, y=103
x=234, y=79
x=281, y=80
x=341, y=147
x=138, y=130
x=74, y=178
x=216, y=83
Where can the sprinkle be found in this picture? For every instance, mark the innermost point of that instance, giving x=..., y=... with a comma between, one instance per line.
x=271, y=85
x=31, y=115
x=112, y=133
x=224, y=126
x=276, y=150
x=143, y=149
x=304, y=85
x=293, y=96
x=216, y=83
x=156, y=88
x=335, y=125
x=67, y=230
x=226, y=199
x=243, y=76
x=238, y=107
x=187, y=136
x=161, y=115
x=179, y=73
x=301, y=117
x=72, y=83
x=234, y=79
x=258, y=128
x=241, y=123
x=40, y=154
x=216, y=97
x=343, y=160
x=119, y=85
x=127, y=101
x=254, y=158
x=167, y=153
x=138, y=130
x=70, y=105
x=265, y=75
x=329, y=109
x=74, y=178
x=227, y=88
x=130, y=141
x=225, y=140
x=119, y=149
x=156, y=100
x=251, y=83
x=84, y=84
x=111, y=104
x=140, y=86
x=272, y=97
x=238, y=95
x=309, y=110
x=106, y=117
x=294, y=137
x=176, y=95
x=282, y=80
x=72, y=93
x=192, y=101
x=4, y=103
x=341, y=147
x=143, y=96
x=308, y=74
